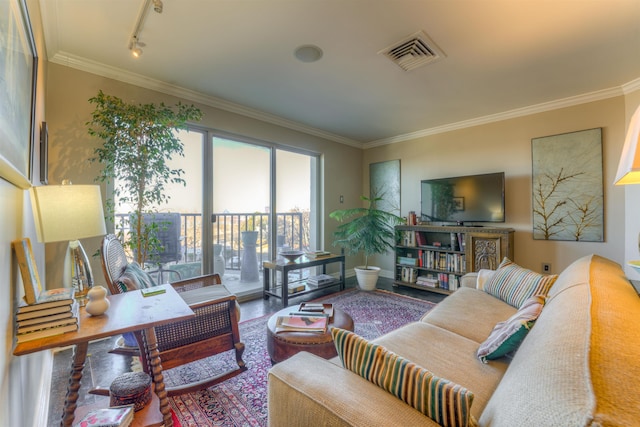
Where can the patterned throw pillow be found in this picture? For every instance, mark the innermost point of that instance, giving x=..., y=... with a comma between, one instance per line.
x=134, y=277
x=514, y=284
x=507, y=336
x=446, y=403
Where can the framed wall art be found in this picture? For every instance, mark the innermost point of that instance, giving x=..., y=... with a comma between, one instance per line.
x=384, y=181
x=19, y=64
x=567, y=193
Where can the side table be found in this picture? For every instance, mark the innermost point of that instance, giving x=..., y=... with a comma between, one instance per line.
x=273, y=289
x=128, y=312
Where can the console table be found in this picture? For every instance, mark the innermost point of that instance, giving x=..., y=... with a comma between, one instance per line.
x=128, y=312
x=272, y=289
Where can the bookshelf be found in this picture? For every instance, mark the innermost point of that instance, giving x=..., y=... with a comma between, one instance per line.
x=434, y=258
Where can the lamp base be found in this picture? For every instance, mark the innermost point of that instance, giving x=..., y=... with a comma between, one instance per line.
x=77, y=271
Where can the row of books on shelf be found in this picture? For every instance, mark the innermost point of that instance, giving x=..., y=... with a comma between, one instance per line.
x=446, y=281
x=54, y=312
x=412, y=239
x=451, y=262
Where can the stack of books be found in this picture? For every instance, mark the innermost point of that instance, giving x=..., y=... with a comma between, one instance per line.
x=117, y=416
x=54, y=312
x=317, y=254
x=320, y=280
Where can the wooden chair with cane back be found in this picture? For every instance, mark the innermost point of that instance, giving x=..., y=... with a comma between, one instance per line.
x=213, y=330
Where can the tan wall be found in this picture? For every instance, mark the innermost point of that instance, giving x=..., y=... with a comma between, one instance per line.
x=71, y=146
x=506, y=146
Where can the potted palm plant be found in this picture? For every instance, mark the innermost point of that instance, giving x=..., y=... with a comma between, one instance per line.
x=369, y=230
x=138, y=140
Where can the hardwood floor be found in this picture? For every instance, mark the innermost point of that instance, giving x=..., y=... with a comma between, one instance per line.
x=102, y=367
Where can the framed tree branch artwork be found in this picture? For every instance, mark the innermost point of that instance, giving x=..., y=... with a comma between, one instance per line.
x=567, y=193
x=384, y=181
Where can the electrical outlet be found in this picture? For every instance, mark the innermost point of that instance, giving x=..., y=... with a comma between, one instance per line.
x=546, y=267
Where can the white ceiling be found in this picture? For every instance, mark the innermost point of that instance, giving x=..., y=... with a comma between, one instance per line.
x=502, y=57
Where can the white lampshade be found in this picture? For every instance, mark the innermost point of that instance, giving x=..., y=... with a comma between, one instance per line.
x=67, y=212
x=629, y=166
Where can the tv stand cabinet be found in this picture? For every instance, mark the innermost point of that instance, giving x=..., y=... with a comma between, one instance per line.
x=433, y=258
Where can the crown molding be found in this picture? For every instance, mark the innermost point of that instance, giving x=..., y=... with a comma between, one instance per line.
x=82, y=64
x=118, y=74
x=519, y=112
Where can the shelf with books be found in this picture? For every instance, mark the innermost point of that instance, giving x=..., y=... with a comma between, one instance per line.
x=435, y=257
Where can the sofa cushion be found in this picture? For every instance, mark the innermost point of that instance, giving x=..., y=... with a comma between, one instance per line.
x=514, y=284
x=134, y=277
x=441, y=400
x=481, y=313
x=507, y=336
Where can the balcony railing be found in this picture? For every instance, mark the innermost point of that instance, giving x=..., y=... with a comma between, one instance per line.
x=292, y=228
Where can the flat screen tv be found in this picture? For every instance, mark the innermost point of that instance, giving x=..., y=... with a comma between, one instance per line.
x=463, y=199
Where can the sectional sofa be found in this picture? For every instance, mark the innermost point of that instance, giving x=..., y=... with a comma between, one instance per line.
x=578, y=363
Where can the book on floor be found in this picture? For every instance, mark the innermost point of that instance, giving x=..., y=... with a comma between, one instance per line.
x=294, y=323
x=117, y=416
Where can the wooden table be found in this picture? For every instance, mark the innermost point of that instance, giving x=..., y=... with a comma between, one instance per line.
x=272, y=289
x=129, y=312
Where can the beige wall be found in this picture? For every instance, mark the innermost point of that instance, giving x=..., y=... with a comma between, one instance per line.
x=506, y=146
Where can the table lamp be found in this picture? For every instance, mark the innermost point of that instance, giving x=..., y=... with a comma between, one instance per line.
x=70, y=212
x=629, y=166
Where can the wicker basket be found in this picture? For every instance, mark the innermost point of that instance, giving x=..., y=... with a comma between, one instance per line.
x=131, y=388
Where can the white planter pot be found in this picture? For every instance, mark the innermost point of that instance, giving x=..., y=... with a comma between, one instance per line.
x=367, y=278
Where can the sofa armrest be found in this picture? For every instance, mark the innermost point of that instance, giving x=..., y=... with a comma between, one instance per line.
x=306, y=390
x=477, y=279
x=469, y=280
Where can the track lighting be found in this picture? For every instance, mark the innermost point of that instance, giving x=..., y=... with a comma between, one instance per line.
x=136, y=52
x=157, y=6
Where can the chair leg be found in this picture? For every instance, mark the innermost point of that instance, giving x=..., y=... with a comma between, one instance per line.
x=239, y=347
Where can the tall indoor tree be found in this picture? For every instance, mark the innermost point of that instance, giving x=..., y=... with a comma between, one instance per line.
x=138, y=142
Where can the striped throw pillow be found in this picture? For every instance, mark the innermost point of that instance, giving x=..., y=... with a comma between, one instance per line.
x=446, y=403
x=506, y=336
x=514, y=284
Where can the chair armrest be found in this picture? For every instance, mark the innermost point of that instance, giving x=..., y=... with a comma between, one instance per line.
x=197, y=282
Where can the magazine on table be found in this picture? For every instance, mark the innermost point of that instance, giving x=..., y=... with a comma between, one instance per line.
x=297, y=323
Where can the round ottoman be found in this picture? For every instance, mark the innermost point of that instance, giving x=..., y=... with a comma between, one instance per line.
x=283, y=345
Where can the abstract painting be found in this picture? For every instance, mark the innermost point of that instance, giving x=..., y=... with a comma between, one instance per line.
x=568, y=200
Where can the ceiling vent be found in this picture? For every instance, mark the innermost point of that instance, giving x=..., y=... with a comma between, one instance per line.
x=413, y=52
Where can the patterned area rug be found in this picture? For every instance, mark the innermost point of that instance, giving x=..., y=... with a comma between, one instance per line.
x=242, y=400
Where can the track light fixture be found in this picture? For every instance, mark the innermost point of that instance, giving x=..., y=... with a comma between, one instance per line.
x=135, y=45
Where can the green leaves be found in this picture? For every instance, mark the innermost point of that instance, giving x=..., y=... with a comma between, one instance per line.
x=138, y=141
x=368, y=230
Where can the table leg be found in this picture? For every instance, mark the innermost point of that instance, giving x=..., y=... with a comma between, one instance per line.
x=77, y=364
x=285, y=287
x=342, y=274
x=266, y=279
x=155, y=366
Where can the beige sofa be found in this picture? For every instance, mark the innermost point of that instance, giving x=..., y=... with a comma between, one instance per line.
x=578, y=366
